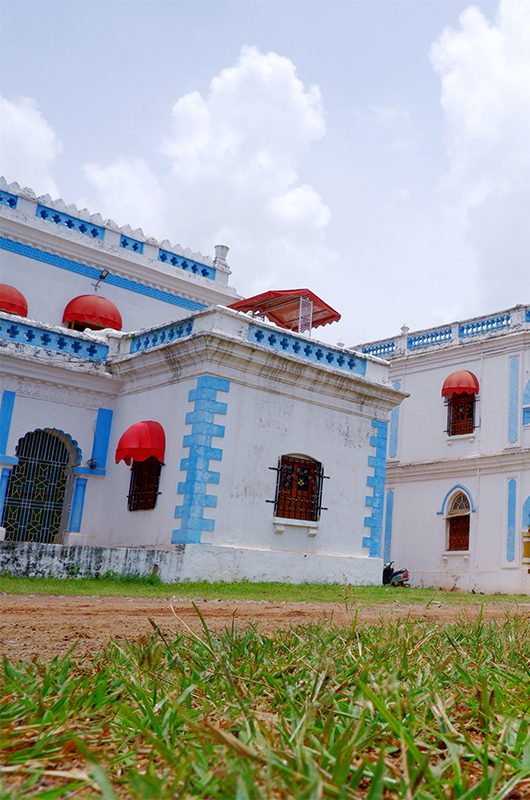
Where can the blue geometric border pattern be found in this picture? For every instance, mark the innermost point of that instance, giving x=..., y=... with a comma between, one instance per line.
x=9, y=200
x=376, y=481
x=72, y=223
x=187, y=264
x=291, y=345
x=169, y=333
x=94, y=273
x=52, y=340
x=197, y=464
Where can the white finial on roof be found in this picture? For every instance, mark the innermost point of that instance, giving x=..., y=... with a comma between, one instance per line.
x=221, y=252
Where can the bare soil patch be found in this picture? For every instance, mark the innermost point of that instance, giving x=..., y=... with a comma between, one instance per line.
x=48, y=625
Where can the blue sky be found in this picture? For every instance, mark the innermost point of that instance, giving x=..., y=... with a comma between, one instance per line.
x=353, y=147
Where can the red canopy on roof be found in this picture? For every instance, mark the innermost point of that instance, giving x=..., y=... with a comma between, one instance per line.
x=12, y=301
x=283, y=307
x=142, y=440
x=93, y=311
x=461, y=382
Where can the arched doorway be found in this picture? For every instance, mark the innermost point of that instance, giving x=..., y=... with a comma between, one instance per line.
x=458, y=518
x=39, y=490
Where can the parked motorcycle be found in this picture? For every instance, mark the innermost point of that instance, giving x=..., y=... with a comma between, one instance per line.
x=395, y=577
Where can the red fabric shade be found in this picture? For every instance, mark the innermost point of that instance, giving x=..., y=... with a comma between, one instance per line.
x=462, y=382
x=283, y=307
x=12, y=301
x=142, y=440
x=92, y=311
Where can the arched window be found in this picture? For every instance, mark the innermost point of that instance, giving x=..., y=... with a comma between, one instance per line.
x=298, y=488
x=458, y=518
x=460, y=390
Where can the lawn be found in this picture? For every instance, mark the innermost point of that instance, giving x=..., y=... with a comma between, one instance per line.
x=244, y=590
x=407, y=710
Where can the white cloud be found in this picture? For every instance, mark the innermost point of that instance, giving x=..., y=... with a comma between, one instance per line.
x=485, y=73
x=28, y=145
x=234, y=154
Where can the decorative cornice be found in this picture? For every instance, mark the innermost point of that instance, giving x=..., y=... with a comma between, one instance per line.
x=503, y=461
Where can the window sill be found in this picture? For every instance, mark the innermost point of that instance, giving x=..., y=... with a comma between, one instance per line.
x=280, y=524
x=449, y=553
x=463, y=437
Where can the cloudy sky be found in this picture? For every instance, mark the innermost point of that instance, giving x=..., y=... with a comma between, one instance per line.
x=376, y=151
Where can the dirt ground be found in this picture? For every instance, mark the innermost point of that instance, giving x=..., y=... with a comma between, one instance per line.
x=47, y=625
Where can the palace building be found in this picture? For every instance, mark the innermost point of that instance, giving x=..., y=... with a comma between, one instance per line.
x=151, y=420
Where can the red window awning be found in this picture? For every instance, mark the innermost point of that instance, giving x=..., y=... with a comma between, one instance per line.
x=142, y=440
x=461, y=382
x=283, y=307
x=12, y=301
x=93, y=311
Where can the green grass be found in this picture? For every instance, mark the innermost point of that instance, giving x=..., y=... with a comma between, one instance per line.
x=243, y=590
x=407, y=710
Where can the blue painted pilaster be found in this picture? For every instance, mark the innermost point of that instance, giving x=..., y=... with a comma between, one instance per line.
x=513, y=400
x=100, y=445
x=4, y=478
x=510, y=520
x=389, y=511
x=376, y=481
x=197, y=465
x=6, y=413
x=78, y=504
x=394, y=427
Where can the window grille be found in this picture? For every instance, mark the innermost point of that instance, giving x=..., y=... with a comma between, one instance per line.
x=143, y=489
x=298, y=488
x=461, y=414
x=39, y=489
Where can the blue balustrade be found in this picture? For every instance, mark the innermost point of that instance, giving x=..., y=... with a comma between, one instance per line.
x=163, y=335
x=382, y=349
x=480, y=326
x=305, y=348
x=429, y=338
x=72, y=223
x=9, y=200
x=134, y=245
x=52, y=340
x=187, y=264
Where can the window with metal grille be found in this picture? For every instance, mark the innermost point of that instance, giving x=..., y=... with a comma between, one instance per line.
x=143, y=490
x=458, y=523
x=298, y=488
x=461, y=414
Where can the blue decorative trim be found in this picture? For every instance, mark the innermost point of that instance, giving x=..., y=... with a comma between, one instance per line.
x=480, y=326
x=78, y=503
x=88, y=471
x=526, y=514
x=4, y=459
x=4, y=480
x=527, y=315
x=427, y=339
x=389, y=511
x=376, y=481
x=510, y=521
x=134, y=245
x=6, y=413
x=52, y=340
x=381, y=350
x=197, y=464
x=72, y=223
x=187, y=264
x=9, y=200
x=457, y=487
x=100, y=445
x=526, y=415
x=168, y=333
x=513, y=401
x=394, y=426
x=94, y=272
x=526, y=394
x=302, y=348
